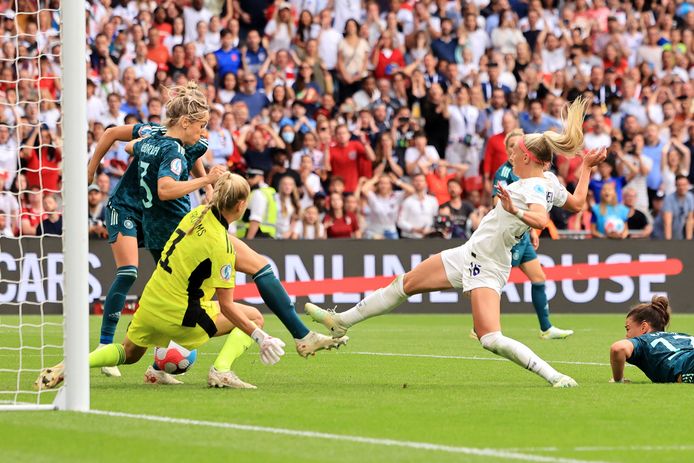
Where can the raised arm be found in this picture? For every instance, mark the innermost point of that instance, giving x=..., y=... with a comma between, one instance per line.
x=535, y=217
x=111, y=135
x=575, y=201
x=168, y=188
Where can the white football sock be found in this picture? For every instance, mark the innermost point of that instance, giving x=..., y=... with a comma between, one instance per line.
x=379, y=302
x=519, y=353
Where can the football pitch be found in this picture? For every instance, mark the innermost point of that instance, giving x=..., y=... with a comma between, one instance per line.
x=407, y=388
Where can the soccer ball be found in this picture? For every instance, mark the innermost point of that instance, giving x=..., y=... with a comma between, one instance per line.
x=614, y=225
x=174, y=359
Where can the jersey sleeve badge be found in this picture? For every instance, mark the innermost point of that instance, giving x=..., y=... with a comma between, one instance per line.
x=225, y=272
x=176, y=166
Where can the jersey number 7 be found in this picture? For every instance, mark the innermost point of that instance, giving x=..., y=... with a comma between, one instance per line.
x=180, y=234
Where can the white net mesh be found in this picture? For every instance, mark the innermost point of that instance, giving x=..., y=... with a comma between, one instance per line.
x=31, y=328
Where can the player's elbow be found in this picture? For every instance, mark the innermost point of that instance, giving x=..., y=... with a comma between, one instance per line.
x=164, y=193
x=618, y=350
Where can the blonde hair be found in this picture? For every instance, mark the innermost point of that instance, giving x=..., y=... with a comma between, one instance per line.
x=567, y=143
x=187, y=101
x=229, y=190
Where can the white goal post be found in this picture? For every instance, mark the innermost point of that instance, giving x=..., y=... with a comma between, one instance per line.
x=23, y=321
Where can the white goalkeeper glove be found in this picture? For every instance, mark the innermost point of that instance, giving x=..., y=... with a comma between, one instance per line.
x=271, y=349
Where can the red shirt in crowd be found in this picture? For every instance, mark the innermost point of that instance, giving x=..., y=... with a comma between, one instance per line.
x=43, y=172
x=438, y=186
x=386, y=66
x=342, y=227
x=495, y=155
x=345, y=162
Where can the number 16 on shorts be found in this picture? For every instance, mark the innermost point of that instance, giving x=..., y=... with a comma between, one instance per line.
x=474, y=269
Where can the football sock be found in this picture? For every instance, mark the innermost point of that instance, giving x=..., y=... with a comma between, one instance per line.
x=379, y=302
x=541, y=306
x=519, y=354
x=115, y=300
x=277, y=300
x=235, y=345
x=107, y=356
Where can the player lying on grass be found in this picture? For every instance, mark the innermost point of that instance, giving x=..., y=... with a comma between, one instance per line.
x=663, y=356
x=176, y=305
x=482, y=266
x=523, y=254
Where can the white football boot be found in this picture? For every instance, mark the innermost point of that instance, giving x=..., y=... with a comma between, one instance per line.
x=329, y=318
x=565, y=381
x=153, y=376
x=555, y=333
x=226, y=379
x=313, y=342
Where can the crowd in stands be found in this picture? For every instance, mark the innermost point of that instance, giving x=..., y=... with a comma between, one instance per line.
x=372, y=118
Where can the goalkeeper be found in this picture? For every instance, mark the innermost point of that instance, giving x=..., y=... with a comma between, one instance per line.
x=197, y=262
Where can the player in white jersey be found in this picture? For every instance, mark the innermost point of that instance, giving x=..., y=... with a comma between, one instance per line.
x=482, y=266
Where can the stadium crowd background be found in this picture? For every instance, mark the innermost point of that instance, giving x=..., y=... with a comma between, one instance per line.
x=376, y=119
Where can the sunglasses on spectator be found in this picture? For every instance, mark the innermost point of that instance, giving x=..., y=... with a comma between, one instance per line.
x=322, y=129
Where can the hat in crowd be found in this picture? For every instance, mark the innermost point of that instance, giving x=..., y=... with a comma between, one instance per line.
x=659, y=194
x=93, y=187
x=253, y=172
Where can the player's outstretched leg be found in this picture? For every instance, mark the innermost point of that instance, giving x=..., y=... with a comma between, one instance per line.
x=486, y=315
x=430, y=275
x=276, y=298
x=534, y=271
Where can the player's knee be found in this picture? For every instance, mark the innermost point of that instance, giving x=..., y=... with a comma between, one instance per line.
x=491, y=341
x=257, y=318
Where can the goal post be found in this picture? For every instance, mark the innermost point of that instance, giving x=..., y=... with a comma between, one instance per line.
x=75, y=223
x=45, y=273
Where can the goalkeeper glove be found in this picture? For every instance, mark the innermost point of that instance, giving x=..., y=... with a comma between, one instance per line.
x=271, y=349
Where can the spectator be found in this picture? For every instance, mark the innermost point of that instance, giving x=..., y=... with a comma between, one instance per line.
x=444, y=47
x=489, y=122
x=338, y=222
x=675, y=161
x=260, y=219
x=287, y=199
x=352, y=59
x=420, y=153
x=416, y=218
x=634, y=166
x=653, y=149
x=507, y=36
x=458, y=208
x=220, y=143
x=609, y=217
x=228, y=57
x=657, y=214
x=637, y=221
x=192, y=15
x=329, y=40
x=114, y=115
x=463, y=143
x=8, y=158
x=435, y=113
x=309, y=227
x=280, y=30
x=249, y=94
x=387, y=159
x=345, y=155
x=383, y=206
x=605, y=176
x=42, y=159
x=678, y=211
x=259, y=155
x=97, y=213
x=310, y=182
x=536, y=121
x=386, y=58
x=52, y=224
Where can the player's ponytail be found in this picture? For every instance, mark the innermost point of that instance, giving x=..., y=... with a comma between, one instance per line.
x=656, y=313
x=568, y=143
x=186, y=101
x=229, y=190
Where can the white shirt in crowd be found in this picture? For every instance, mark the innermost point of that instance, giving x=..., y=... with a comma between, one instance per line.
x=257, y=205
x=592, y=140
x=328, y=45
x=418, y=212
x=412, y=154
x=221, y=144
x=8, y=161
x=381, y=214
x=638, y=182
x=308, y=232
x=191, y=18
x=317, y=156
x=284, y=221
x=312, y=182
x=344, y=10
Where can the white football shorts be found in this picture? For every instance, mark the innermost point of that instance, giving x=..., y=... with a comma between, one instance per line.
x=468, y=270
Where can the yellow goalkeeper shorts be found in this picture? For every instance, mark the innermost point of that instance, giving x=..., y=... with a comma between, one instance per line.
x=149, y=330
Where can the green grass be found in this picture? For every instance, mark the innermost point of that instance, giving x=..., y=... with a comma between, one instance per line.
x=447, y=401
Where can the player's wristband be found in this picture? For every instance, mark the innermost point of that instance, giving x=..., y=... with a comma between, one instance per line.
x=520, y=214
x=259, y=336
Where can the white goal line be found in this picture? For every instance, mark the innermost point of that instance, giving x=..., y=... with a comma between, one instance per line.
x=481, y=452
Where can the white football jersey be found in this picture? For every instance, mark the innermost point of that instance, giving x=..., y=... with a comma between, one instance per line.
x=499, y=231
x=559, y=195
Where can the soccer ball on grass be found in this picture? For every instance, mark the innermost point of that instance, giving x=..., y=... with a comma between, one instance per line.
x=174, y=359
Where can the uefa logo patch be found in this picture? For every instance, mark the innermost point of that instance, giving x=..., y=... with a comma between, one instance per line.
x=127, y=223
x=144, y=131
x=176, y=166
x=225, y=272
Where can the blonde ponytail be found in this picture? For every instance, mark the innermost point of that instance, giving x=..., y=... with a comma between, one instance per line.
x=568, y=143
x=186, y=101
x=229, y=190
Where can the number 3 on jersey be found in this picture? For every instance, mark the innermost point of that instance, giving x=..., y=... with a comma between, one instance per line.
x=147, y=200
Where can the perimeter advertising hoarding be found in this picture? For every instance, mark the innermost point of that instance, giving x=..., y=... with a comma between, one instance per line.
x=583, y=276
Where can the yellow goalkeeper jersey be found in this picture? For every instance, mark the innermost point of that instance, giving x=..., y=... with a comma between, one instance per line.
x=191, y=267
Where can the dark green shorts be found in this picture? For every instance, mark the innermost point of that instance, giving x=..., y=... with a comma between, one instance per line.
x=124, y=222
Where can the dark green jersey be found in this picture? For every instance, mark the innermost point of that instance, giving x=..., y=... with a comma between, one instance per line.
x=504, y=175
x=663, y=356
x=126, y=195
x=160, y=156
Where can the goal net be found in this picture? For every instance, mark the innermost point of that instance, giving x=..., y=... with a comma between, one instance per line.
x=38, y=199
